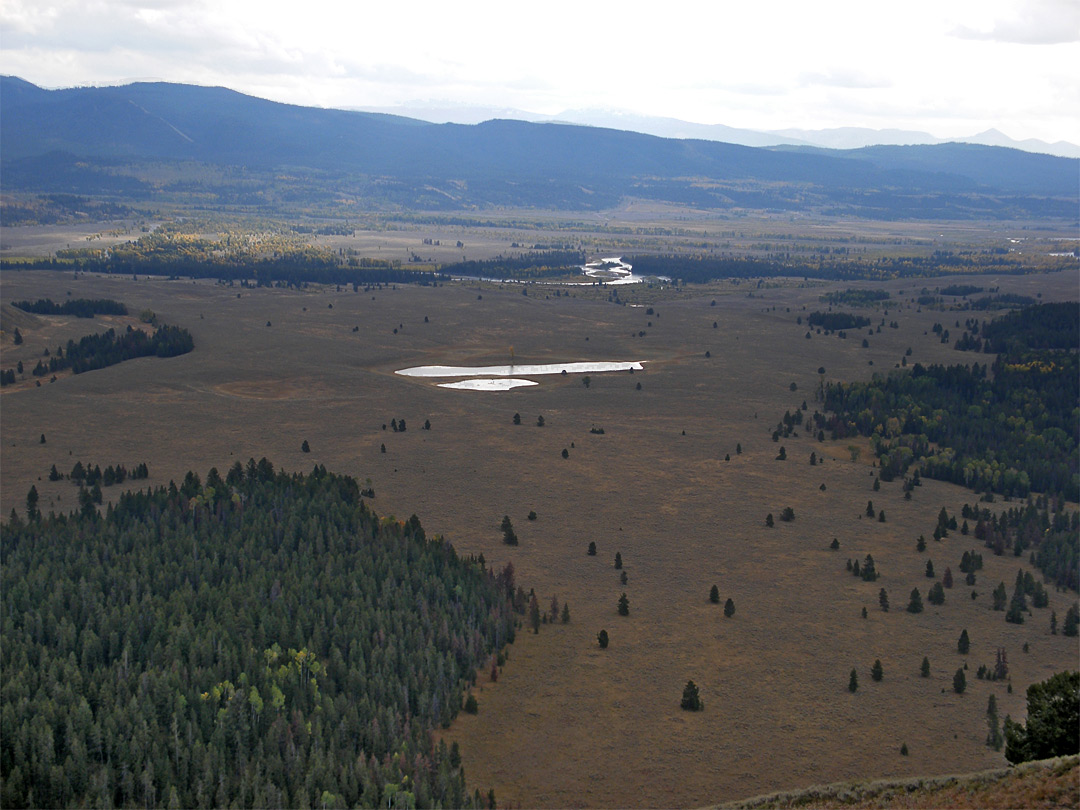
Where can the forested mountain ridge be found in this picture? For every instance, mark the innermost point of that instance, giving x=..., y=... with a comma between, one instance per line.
x=48, y=135
x=263, y=640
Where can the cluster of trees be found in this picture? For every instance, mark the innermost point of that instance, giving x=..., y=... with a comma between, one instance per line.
x=1011, y=432
x=1048, y=326
x=91, y=474
x=79, y=307
x=107, y=349
x=262, y=639
x=835, y=321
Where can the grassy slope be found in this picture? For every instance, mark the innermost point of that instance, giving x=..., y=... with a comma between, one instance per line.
x=1046, y=783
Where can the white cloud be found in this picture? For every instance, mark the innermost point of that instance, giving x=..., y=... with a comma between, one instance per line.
x=1035, y=22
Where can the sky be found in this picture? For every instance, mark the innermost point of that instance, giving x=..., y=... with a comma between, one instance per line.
x=948, y=67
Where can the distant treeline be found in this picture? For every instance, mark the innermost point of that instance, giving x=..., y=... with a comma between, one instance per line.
x=107, y=349
x=833, y=321
x=856, y=298
x=700, y=269
x=260, y=639
x=79, y=307
x=547, y=264
x=266, y=273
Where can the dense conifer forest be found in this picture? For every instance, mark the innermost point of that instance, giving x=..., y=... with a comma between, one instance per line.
x=79, y=307
x=261, y=640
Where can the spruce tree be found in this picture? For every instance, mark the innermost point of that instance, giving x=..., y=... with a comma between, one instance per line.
x=883, y=600
x=592, y=549
x=876, y=671
x=729, y=608
x=964, y=643
x=624, y=605
x=853, y=681
x=915, y=604
x=959, y=681
x=602, y=639
x=691, y=698
x=714, y=595
x=924, y=670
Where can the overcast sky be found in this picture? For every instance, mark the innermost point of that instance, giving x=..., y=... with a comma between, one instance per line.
x=948, y=67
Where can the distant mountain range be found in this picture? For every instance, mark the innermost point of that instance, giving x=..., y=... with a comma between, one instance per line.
x=113, y=140
x=836, y=138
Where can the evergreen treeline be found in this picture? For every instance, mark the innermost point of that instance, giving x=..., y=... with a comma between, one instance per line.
x=1011, y=432
x=856, y=298
x=79, y=307
x=107, y=349
x=291, y=271
x=259, y=641
x=833, y=321
x=1048, y=326
x=699, y=269
x=1052, y=535
x=546, y=263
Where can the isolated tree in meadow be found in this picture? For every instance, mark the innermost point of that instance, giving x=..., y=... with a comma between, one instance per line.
x=869, y=572
x=936, y=596
x=920, y=544
x=618, y=560
x=471, y=706
x=883, y=600
x=877, y=672
x=509, y=535
x=540, y=421
x=782, y=455
x=623, y=578
x=494, y=673
x=947, y=579
x=18, y=338
x=835, y=544
x=869, y=509
x=788, y=514
x=1053, y=716
x=624, y=605
x=517, y=418
x=1053, y=622
x=769, y=520
x=881, y=516
x=691, y=698
x=924, y=670
x=305, y=447
x=534, y=614
x=565, y=453
x=959, y=681
x=565, y=617
x=963, y=644
x=915, y=604
x=729, y=608
x=930, y=569
x=853, y=681
x=602, y=639
x=592, y=548
x=427, y=424
x=554, y=611
x=714, y=595
x=738, y=449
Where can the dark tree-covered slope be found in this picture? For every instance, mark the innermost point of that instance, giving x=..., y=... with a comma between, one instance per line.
x=50, y=135
x=259, y=641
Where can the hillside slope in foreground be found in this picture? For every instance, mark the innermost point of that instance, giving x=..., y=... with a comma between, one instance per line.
x=1048, y=783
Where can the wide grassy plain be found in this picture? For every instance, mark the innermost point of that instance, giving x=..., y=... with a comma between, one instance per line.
x=568, y=724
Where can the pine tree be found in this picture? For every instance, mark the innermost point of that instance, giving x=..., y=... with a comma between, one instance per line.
x=509, y=535
x=534, y=614
x=876, y=671
x=565, y=618
x=1071, y=627
x=920, y=544
x=915, y=604
x=964, y=643
x=729, y=608
x=930, y=569
x=994, y=738
x=883, y=600
x=624, y=605
x=1001, y=596
x=924, y=670
x=959, y=681
x=618, y=560
x=691, y=698
x=471, y=706
x=853, y=681
x=517, y=418
x=602, y=639
x=592, y=549
x=936, y=596
x=714, y=595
